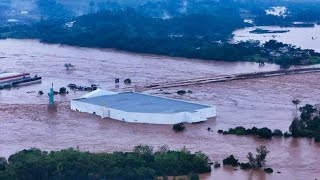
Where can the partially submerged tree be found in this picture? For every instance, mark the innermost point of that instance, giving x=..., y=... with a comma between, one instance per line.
x=277, y=132
x=143, y=150
x=63, y=90
x=68, y=66
x=231, y=160
x=307, y=112
x=260, y=159
x=127, y=81
x=295, y=127
x=296, y=102
x=308, y=125
x=268, y=170
x=178, y=127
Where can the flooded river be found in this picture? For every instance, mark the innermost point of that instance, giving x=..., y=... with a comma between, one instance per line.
x=25, y=121
x=306, y=38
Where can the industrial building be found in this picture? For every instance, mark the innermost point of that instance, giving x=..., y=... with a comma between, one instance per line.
x=12, y=77
x=141, y=108
x=17, y=79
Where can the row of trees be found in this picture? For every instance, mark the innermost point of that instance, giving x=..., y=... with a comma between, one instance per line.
x=297, y=11
x=191, y=36
x=265, y=132
x=142, y=163
x=306, y=125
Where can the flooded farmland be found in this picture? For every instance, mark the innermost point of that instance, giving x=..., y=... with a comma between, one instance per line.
x=26, y=123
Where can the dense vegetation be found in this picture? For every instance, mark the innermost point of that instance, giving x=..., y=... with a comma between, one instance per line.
x=260, y=132
x=191, y=36
x=142, y=163
x=178, y=127
x=129, y=24
x=308, y=125
x=193, y=29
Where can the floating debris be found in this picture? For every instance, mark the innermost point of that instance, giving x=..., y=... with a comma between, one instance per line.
x=68, y=66
x=181, y=92
x=93, y=87
x=127, y=81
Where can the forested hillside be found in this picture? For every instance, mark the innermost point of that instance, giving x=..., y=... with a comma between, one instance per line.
x=185, y=28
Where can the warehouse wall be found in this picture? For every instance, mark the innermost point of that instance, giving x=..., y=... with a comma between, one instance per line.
x=87, y=108
x=150, y=118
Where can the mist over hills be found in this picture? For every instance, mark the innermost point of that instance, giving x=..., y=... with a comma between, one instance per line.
x=34, y=10
x=185, y=28
x=219, y=18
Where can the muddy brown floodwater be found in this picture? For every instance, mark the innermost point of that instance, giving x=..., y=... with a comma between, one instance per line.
x=25, y=121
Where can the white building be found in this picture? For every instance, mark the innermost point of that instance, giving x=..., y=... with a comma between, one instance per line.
x=12, y=77
x=141, y=108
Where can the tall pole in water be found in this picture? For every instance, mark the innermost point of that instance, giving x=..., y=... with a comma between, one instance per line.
x=51, y=95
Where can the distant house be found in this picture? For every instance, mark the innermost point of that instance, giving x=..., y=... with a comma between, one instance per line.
x=176, y=35
x=305, y=61
x=275, y=54
x=284, y=49
x=24, y=12
x=299, y=54
x=12, y=21
x=69, y=24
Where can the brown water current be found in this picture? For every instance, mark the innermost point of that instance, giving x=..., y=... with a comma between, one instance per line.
x=25, y=121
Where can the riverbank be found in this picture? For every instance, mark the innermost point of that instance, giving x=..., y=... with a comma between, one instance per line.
x=306, y=38
x=176, y=40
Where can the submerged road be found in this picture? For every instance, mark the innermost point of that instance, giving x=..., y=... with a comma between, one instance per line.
x=224, y=78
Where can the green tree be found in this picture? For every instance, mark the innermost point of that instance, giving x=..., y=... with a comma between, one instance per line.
x=307, y=112
x=295, y=127
x=73, y=164
x=265, y=133
x=231, y=160
x=62, y=90
x=178, y=127
x=3, y=163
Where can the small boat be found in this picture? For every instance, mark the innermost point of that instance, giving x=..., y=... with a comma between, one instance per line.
x=72, y=86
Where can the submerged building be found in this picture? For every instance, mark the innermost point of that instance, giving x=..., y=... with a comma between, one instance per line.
x=16, y=79
x=141, y=108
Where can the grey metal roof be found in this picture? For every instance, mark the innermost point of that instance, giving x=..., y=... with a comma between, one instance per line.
x=135, y=102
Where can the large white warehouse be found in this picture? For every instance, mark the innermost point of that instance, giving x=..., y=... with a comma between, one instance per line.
x=141, y=108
